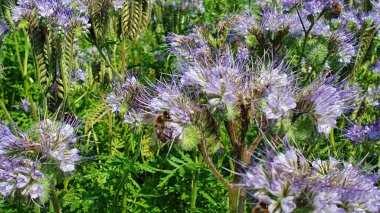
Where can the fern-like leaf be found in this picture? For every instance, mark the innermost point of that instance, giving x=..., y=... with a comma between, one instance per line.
x=96, y=116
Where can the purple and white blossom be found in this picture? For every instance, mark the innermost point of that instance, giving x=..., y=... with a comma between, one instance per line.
x=18, y=173
x=279, y=103
x=282, y=179
x=328, y=102
x=358, y=134
x=57, y=13
x=24, y=156
x=126, y=99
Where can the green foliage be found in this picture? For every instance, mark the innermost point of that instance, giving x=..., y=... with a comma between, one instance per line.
x=125, y=168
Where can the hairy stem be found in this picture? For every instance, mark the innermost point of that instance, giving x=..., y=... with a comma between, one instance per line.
x=332, y=141
x=54, y=200
x=25, y=76
x=202, y=147
x=114, y=71
x=194, y=189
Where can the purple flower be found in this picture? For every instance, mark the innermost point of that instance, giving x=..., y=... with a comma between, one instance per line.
x=280, y=179
x=358, y=134
x=190, y=47
x=315, y=8
x=328, y=102
x=67, y=159
x=17, y=174
x=345, y=45
x=46, y=8
x=279, y=103
x=128, y=99
x=288, y=4
x=22, y=10
x=78, y=74
x=36, y=191
x=6, y=188
x=22, y=181
x=118, y=4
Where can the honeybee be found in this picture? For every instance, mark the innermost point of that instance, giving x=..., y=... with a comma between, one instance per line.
x=163, y=132
x=260, y=208
x=71, y=118
x=336, y=9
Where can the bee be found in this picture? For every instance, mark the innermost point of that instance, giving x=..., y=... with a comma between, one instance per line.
x=70, y=118
x=163, y=132
x=336, y=9
x=260, y=208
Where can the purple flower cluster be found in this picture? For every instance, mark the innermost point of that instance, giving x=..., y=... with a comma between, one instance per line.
x=126, y=99
x=20, y=174
x=54, y=13
x=26, y=155
x=286, y=181
x=358, y=134
x=326, y=101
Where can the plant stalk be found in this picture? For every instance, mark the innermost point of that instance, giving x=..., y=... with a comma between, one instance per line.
x=54, y=200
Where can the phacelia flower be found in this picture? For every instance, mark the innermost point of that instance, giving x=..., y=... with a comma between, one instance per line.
x=326, y=102
x=279, y=103
x=19, y=174
x=285, y=181
x=118, y=4
x=126, y=99
x=345, y=45
x=357, y=133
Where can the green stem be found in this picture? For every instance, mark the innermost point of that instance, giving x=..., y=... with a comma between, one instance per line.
x=194, y=188
x=306, y=34
x=13, y=124
x=206, y=157
x=26, y=77
x=114, y=71
x=124, y=201
x=54, y=200
x=37, y=209
x=234, y=200
x=332, y=141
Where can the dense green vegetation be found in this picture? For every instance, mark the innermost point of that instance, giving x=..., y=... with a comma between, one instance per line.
x=66, y=73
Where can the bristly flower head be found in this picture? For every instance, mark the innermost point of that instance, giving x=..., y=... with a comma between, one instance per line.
x=126, y=99
x=221, y=80
x=358, y=134
x=169, y=98
x=326, y=101
x=26, y=155
x=60, y=14
x=287, y=181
